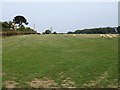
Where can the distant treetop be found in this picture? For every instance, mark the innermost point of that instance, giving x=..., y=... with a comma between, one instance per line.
x=20, y=20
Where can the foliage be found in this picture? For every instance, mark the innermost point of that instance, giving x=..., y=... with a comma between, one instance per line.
x=54, y=32
x=8, y=29
x=70, y=32
x=20, y=20
x=14, y=32
x=118, y=29
x=21, y=28
x=7, y=25
x=47, y=32
x=77, y=31
x=106, y=30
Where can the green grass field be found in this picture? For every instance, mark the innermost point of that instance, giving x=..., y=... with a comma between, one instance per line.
x=59, y=61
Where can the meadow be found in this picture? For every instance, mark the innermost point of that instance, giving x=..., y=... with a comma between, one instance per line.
x=44, y=61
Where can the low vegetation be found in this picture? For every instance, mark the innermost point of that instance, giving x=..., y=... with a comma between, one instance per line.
x=15, y=27
x=79, y=60
x=102, y=30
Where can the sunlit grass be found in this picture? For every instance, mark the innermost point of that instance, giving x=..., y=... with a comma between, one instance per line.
x=88, y=60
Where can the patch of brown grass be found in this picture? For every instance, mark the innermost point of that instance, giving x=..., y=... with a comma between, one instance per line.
x=42, y=83
x=68, y=83
x=94, y=83
x=10, y=84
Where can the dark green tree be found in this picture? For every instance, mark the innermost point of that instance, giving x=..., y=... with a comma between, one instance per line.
x=20, y=20
x=70, y=32
x=47, y=32
x=77, y=31
x=118, y=29
x=5, y=26
x=54, y=32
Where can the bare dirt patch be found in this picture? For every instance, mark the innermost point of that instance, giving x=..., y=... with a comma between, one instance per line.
x=10, y=84
x=94, y=83
x=68, y=83
x=42, y=83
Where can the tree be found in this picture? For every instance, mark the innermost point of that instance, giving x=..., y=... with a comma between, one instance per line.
x=28, y=29
x=47, y=32
x=77, y=31
x=54, y=33
x=70, y=32
x=5, y=25
x=20, y=20
x=11, y=26
x=118, y=29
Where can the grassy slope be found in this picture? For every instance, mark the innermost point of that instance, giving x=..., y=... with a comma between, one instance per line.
x=82, y=58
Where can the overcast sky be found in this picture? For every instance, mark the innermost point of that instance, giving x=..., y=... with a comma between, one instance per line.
x=63, y=16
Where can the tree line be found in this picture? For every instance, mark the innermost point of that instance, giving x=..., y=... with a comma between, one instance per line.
x=6, y=26
x=16, y=27
x=105, y=30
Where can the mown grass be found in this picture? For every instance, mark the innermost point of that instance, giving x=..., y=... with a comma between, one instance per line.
x=88, y=60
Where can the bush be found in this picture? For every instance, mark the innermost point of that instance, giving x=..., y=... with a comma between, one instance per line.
x=70, y=32
x=47, y=32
